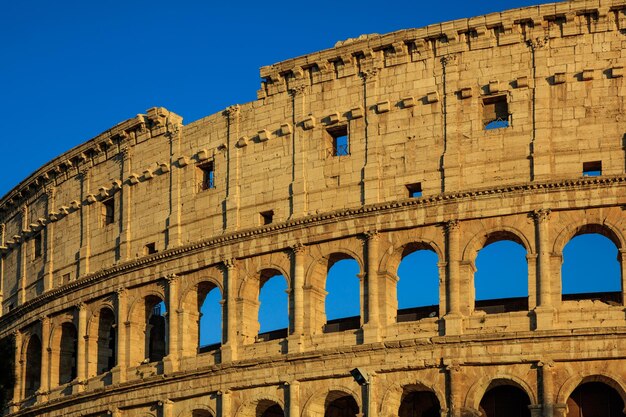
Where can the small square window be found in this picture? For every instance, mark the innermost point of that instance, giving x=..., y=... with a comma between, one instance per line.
x=66, y=278
x=206, y=174
x=108, y=211
x=37, y=245
x=267, y=217
x=495, y=112
x=150, y=249
x=592, y=169
x=339, y=141
x=415, y=190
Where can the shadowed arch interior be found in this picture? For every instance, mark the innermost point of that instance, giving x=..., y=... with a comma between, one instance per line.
x=502, y=398
x=340, y=404
x=267, y=408
x=156, y=348
x=107, y=341
x=32, y=366
x=67, y=353
x=201, y=413
x=419, y=404
x=595, y=399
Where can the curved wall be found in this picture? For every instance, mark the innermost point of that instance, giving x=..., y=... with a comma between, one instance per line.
x=448, y=137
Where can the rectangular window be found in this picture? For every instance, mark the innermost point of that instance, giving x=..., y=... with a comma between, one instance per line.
x=495, y=112
x=592, y=169
x=415, y=190
x=267, y=217
x=108, y=211
x=339, y=141
x=150, y=249
x=206, y=174
x=66, y=278
x=37, y=245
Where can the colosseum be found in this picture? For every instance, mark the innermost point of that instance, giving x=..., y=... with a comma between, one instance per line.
x=443, y=139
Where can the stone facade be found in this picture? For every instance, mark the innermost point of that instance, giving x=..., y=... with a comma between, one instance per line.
x=446, y=137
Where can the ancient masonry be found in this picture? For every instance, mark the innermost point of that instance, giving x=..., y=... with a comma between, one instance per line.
x=445, y=138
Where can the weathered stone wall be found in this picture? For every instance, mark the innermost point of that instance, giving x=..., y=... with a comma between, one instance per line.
x=124, y=222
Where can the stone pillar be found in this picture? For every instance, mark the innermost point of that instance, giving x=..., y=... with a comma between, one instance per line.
x=622, y=263
x=21, y=297
x=372, y=326
x=295, y=340
x=232, y=169
x=224, y=404
x=544, y=312
x=456, y=392
x=125, y=206
x=294, y=399
x=48, y=278
x=229, y=348
x=85, y=232
x=298, y=186
x=167, y=408
x=171, y=361
x=119, y=372
x=371, y=158
x=174, y=233
x=2, y=249
x=453, y=319
x=81, y=354
x=45, y=355
x=547, y=387
x=18, y=388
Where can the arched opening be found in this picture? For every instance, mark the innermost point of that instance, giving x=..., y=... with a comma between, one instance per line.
x=340, y=404
x=343, y=299
x=210, y=322
x=418, y=283
x=107, y=341
x=201, y=413
x=419, y=404
x=267, y=408
x=504, y=400
x=595, y=399
x=591, y=269
x=273, y=313
x=501, y=277
x=32, y=366
x=67, y=353
x=156, y=347
x=7, y=370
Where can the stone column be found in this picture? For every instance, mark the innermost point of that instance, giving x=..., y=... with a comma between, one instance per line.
x=547, y=387
x=232, y=168
x=81, y=354
x=85, y=229
x=295, y=340
x=294, y=399
x=167, y=408
x=119, y=373
x=125, y=205
x=455, y=386
x=45, y=355
x=21, y=297
x=18, y=388
x=371, y=157
x=372, y=326
x=544, y=312
x=171, y=361
x=48, y=278
x=453, y=319
x=229, y=348
x=173, y=222
x=224, y=404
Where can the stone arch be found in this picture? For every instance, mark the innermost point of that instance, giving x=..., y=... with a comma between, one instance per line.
x=606, y=229
x=574, y=381
x=323, y=263
x=102, y=342
x=190, y=304
x=315, y=406
x=392, y=399
x=64, y=349
x=31, y=357
x=492, y=235
x=192, y=284
x=197, y=406
x=390, y=261
x=141, y=299
x=142, y=333
x=250, y=407
x=480, y=387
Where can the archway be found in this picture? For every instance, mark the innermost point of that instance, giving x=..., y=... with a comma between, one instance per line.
x=343, y=299
x=595, y=399
x=501, y=277
x=267, y=408
x=107, y=341
x=340, y=404
x=156, y=348
x=67, y=353
x=419, y=404
x=32, y=366
x=502, y=399
x=273, y=314
x=418, y=283
x=210, y=323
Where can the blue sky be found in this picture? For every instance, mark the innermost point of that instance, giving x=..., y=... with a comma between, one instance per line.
x=71, y=69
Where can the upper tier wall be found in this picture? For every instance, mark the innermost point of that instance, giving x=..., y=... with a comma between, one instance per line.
x=413, y=103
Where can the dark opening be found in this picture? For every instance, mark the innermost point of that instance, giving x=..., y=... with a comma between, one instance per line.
x=344, y=406
x=505, y=400
x=7, y=370
x=592, y=169
x=106, y=341
x=420, y=404
x=207, y=176
x=495, y=112
x=415, y=190
x=266, y=408
x=67, y=354
x=595, y=399
x=155, y=332
x=38, y=243
x=267, y=217
x=340, y=141
x=150, y=248
x=108, y=211
x=32, y=368
x=66, y=278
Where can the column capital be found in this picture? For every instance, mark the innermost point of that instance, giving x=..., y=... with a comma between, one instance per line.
x=541, y=215
x=537, y=42
x=44, y=320
x=297, y=90
x=451, y=225
x=298, y=248
x=171, y=278
x=371, y=235
x=121, y=291
x=232, y=111
x=229, y=263
x=80, y=306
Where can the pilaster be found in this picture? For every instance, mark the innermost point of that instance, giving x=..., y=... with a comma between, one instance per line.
x=295, y=340
x=174, y=233
x=453, y=319
x=44, y=387
x=48, y=278
x=371, y=154
x=81, y=353
x=85, y=225
x=125, y=205
x=171, y=361
x=371, y=328
x=544, y=312
x=119, y=372
x=229, y=348
x=232, y=169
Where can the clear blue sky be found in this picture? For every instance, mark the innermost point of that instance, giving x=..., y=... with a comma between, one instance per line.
x=71, y=69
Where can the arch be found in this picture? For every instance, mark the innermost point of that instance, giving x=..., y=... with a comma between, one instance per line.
x=194, y=322
x=258, y=405
x=273, y=313
x=606, y=229
x=315, y=406
x=156, y=327
x=148, y=325
x=391, y=259
x=316, y=272
x=595, y=399
x=393, y=397
x=480, y=387
x=106, y=342
x=64, y=345
x=504, y=400
x=32, y=365
x=411, y=303
x=492, y=235
x=191, y=409
x=613, y=381
x=344, y=293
